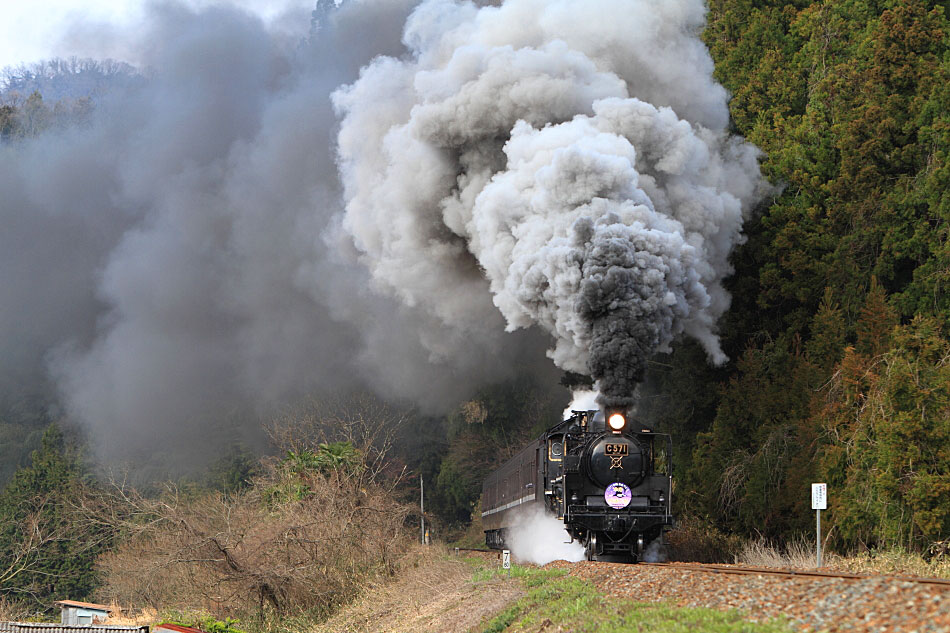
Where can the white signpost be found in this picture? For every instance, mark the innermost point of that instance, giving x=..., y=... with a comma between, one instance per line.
x=819, y=502
x=506, y=560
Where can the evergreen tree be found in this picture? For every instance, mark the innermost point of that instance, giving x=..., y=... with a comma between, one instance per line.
x=47, y=551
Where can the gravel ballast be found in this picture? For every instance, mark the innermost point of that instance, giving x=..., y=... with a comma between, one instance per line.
x=877, y=604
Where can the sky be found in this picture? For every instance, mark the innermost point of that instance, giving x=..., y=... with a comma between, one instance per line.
x=42, y=29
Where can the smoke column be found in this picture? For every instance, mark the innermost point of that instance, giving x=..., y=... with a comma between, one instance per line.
x=566, y=161
x=168, y=266
x=485, y=183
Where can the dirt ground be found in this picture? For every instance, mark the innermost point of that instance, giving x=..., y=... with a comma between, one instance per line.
x=435, y=595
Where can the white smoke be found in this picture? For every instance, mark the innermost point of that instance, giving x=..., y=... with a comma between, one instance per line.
x=168, y=260
x=656, y=552
x=538, y=537
x=186, y=253
x=581, y=400
x=567, y=161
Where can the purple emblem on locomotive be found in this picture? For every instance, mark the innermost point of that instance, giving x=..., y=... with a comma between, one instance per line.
x=618, y=495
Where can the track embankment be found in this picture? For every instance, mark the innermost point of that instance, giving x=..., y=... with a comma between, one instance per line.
x=432, y=592
x=811, y=601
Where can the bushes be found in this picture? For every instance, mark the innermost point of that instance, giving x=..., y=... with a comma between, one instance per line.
x=260, y=552
x=698, y=541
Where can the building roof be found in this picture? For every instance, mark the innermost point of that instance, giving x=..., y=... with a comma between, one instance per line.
x=176, y=627
x=84, y=605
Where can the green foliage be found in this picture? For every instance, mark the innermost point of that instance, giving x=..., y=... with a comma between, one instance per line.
x=756, y=450
x=203, y=622
x=850, y=101
x=680, y=397
x=27, y=118
x=9, y=122
x=234, y=471
x=24, y=416
x=328, y=457
x=47, y=550
x=483, y=432
x=887, y=418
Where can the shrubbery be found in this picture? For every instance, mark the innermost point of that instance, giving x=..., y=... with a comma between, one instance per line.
x=303, y=537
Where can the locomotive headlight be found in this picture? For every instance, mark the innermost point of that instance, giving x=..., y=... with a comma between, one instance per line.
x=616, y=422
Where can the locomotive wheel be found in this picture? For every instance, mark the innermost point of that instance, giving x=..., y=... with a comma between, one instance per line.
x=590, y=548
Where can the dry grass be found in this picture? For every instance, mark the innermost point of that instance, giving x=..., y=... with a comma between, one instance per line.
x=893, y=561
x=800, y=554
x=431, y=592
x=794, y=555
x=303, y=539
x=120, y=617
x=10, y=610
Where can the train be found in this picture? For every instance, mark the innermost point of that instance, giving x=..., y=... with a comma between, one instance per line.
x=607, y=476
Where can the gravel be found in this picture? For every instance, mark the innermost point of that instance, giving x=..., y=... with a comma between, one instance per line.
x=878, y=604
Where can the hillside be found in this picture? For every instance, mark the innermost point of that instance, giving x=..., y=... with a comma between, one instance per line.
x=837, y=334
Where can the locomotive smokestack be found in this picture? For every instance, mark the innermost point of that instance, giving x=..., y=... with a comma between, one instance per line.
x=577, y=174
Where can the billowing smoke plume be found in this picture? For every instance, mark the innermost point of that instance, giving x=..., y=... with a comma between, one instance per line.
x=167, y=261
x=567, y=160
x=213, y=240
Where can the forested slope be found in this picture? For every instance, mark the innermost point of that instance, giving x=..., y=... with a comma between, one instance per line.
x=838, y=331
x=840, y=309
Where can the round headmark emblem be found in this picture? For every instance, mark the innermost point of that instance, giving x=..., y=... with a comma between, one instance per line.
x=618, y=495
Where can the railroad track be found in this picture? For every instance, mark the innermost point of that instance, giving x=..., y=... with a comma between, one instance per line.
x=793, y=573
x=766, y=571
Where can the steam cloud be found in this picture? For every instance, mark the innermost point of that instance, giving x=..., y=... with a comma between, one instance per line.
x=538, y=537
x=217, y=238
x=568, y=159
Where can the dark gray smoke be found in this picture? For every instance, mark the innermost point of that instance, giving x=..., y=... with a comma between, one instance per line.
x=568, y=160
x=169, y=261
x=214, y=242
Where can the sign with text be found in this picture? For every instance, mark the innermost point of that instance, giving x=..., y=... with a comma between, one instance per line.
x=819, y=496
x=506, y=559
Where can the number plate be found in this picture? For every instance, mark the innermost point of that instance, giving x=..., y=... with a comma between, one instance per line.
x=616, y=449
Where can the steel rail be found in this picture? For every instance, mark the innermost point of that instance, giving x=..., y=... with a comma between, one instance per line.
x=793, y=573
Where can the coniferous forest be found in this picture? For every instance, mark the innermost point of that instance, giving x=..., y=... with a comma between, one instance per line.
x=838, y=332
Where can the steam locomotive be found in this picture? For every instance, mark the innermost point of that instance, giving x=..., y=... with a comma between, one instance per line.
x=608, y=477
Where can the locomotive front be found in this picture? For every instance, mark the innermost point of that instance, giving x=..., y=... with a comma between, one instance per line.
x=610, y=479
x=606, y=476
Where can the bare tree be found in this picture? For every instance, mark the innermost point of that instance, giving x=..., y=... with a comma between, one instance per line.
x=371, y=425
x=300, y=538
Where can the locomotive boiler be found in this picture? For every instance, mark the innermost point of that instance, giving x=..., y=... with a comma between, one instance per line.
x=605, y=475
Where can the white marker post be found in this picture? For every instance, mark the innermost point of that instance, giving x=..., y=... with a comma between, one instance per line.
x=819, y=502
x=506, y=560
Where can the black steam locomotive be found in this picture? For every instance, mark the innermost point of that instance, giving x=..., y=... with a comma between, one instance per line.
x=608, y=477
